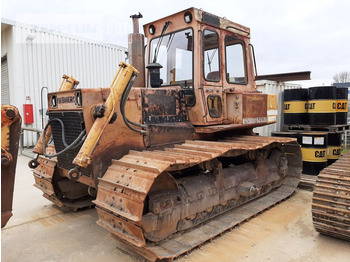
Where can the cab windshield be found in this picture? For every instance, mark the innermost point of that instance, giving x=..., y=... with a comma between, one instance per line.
x=175, y=54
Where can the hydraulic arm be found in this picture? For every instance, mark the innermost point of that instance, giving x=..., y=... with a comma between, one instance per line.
x=124, y=78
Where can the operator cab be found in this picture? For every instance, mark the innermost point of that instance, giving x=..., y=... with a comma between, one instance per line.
x=209, y=59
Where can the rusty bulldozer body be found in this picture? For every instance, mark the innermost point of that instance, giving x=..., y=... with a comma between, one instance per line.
x=169, y=158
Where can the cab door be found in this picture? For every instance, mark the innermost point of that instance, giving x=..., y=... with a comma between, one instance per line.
x=211, y=86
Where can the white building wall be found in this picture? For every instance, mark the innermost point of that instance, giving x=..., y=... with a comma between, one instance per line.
x=277, y=88
x=7, y=39
x=39, y=57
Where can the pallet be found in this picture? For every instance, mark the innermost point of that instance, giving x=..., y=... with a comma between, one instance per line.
x=307, y=181
x=332, y=128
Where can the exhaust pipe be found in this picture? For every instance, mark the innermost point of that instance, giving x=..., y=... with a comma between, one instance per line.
x=136, y=48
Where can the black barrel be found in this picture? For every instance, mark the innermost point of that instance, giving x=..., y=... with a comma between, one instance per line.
x=295, y=106
x=322, y=105
x=288, y=134
x=334, y=146
x=314, y=152
x=342, y=106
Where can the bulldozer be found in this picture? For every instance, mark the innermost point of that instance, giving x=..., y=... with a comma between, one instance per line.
x=167, y=154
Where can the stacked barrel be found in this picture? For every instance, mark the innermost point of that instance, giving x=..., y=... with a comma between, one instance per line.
x=317, y=117
x=334, y=146
x=314, y=151
x=295, y=106
x=322, y=105
x=342, y=106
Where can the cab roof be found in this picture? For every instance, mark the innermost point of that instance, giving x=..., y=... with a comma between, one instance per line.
x=199, y=16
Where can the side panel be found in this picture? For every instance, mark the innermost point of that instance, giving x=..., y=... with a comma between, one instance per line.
x=234, y=108
x=247, y=109
x=254, y=108
x=166, y=105
x=164, y=111
x=117, y=139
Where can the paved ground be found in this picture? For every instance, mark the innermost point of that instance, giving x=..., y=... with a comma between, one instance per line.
x=40, y=232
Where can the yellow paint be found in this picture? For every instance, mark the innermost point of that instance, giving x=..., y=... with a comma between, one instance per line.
x=322, y=106
x=314, y=154
x=39, y=147
x=342, y=106
x=272, y=107
x=334, y=152
x=272, y=102
x=68, y=83
x=295, y=107
x=120, y=82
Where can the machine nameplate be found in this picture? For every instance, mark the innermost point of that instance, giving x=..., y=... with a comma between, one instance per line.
x=256, y=120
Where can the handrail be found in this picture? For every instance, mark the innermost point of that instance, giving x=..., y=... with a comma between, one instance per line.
x=21, y=144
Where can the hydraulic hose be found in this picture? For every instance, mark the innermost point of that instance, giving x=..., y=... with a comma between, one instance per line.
x=122, y=109
x=78, y=141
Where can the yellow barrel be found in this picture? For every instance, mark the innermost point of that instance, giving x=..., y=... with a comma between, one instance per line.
x=295, y=106
x=314, y=152
x=342, y=106
x=322, y=105
x=334, y=147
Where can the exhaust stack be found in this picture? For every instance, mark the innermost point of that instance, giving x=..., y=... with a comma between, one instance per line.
x=136, y=48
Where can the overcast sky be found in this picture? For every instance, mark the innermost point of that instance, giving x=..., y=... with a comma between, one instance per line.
x=288, y=36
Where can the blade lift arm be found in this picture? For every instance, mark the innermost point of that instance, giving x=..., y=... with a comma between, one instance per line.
x=123, y=79
x=119, y=91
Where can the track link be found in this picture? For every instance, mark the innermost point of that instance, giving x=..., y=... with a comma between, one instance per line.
x=331, y=200
x=123, y=190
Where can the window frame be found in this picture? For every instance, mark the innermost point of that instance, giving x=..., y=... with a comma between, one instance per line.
x=219, y=55
x=150, y=58
x=244, y=49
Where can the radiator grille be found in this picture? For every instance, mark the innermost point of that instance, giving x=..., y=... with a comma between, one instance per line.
x=73, y=125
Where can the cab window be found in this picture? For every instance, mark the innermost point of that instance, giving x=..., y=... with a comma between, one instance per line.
x=235, y=64
x=175, y=54
x=211, y=60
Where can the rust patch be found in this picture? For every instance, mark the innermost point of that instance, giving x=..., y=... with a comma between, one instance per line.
x=168, y=133
x=254, y=105
x=163, y=106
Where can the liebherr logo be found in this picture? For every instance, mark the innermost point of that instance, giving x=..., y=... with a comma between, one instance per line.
x=66, y=99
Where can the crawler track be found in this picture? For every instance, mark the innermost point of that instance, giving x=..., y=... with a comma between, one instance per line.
x=331, y=200
x=123, y=190
x=44, y=180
